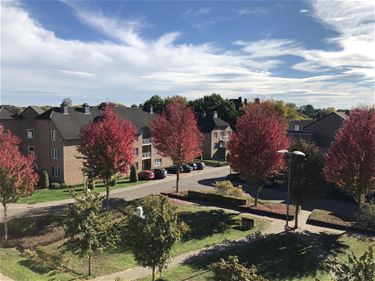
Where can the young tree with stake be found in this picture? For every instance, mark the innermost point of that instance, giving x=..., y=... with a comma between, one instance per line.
x=175, y=134
x=17, y=175
x=107, y=147
x=350, y=163
x=253, y=146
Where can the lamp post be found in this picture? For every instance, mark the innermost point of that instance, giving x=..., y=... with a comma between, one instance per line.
x=289, y=154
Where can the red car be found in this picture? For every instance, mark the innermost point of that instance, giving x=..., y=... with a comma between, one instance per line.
x=146, y=175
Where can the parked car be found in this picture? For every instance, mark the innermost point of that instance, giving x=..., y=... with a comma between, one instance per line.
x=159, y=173
x=186, y=168
x=146, y=175
x=200, y=165
x=193, y=165
x=173, y=169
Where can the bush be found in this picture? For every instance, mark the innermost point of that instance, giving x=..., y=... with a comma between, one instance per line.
x=56, y=185
x=113, y=182
x=233, y=270
x=227, y=188
x=44, y=179
x=133, y=174
x=367, y=215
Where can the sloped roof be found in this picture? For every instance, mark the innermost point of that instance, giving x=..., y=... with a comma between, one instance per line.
x=340, y=114
x=301, y=123
x=208, y=123
x=69, y=125
x=7, y=114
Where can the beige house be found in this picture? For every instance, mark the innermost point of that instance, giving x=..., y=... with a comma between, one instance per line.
x=53, y=136
x=216, y=133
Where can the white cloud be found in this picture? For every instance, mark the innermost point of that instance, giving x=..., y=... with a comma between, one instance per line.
x=39, y=66
x=199, y=12
x=303, y=11
x=251, y=11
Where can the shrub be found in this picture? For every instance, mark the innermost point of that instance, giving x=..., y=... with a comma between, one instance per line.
x=133, y=174
x=113, y=182
x=367, y=214
x=233, y=270
x=44, y=179
x=227, y=188
x=55, y=185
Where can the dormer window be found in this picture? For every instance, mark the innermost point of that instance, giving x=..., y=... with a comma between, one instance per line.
x=30, y=134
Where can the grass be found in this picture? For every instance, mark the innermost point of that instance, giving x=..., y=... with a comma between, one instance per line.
x=208, y=226
x=47, y=195
x=277, y=257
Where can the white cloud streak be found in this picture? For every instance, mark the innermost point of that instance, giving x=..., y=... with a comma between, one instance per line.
x=131, y=68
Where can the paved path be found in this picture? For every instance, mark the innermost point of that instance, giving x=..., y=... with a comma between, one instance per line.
x=196, y=180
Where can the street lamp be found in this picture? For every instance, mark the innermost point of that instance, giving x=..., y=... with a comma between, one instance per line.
x=290, y=154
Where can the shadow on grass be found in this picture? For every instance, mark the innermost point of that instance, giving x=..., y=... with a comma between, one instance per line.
x=277, y=256
x=207, y=223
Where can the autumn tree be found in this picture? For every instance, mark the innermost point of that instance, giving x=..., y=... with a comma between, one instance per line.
x=307, y=178
x=175, y=134
x=253, y=147
x=350, y=162
x=107, y=147
x=89, y=230
x=17, y=175
x=151, y=238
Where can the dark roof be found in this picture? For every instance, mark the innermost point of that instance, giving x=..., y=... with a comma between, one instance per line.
x=7, y=113
x=340, y=114
x=301, y=123
x=69, y=125
x=208, y=123
x=37, y=109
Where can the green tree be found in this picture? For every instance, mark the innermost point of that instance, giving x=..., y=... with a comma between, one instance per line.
x=354, y=269
x=151, y=238
x=133, y=174
x=88, y=228
x=182, y=99
x=157, y=103
x=233, y=270
x=307, y=178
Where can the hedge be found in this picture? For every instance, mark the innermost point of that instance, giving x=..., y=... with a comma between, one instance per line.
x=216, y=198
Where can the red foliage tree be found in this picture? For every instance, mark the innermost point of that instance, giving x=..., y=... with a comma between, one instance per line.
x=350, y=163
x=107, y=147
x=17, y=175
x=175, y=134
x=253, y=147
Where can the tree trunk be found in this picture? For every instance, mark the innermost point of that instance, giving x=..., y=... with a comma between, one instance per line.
x=177, y=178
x=153, y=273
x=296, y=215
x=89, y=264
x=360, y=201
x=257, y=195
x=5, y=223
x=107, y=187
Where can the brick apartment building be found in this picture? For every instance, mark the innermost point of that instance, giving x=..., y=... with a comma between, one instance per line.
x=53, y=136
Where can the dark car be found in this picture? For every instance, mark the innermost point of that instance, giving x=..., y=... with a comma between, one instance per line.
x=193, y=165
x=186, y=168
x=200, y=165
x=173, y=169
x=159, y=173
x=146, y=175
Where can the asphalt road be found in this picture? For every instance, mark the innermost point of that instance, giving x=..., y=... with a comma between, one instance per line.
x=196, y=180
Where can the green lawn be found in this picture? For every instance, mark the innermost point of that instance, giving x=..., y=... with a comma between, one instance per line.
x=277, y=257
x=208, y=227
x=46, y=195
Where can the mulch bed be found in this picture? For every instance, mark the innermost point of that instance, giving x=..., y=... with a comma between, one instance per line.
x=331, y=220
x=273, y=210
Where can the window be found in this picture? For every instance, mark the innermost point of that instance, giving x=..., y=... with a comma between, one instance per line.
x=221, y=134
x=157, y=162
x=135, y=151
x=54, y=154
x=53, y=135
x=215, y=134
x=30, y=133
x=296, y=127
x=55, y=171
x=31, y=150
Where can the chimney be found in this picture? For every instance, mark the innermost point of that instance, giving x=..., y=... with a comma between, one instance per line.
x=86, y=108
x=151, y=110
x=64, y=108
x=215, y=114
x=245, y=101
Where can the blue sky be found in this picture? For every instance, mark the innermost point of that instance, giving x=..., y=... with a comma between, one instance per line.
x=317, y=52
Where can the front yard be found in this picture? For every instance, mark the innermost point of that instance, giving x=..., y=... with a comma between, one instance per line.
x=208, y=227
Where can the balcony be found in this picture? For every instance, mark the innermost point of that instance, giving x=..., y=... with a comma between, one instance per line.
x=146, y=141
x=146, y=155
